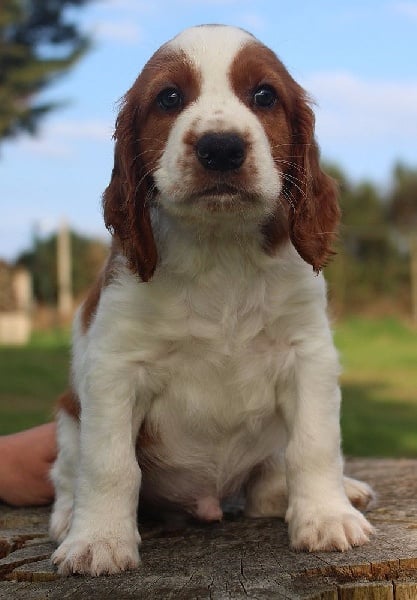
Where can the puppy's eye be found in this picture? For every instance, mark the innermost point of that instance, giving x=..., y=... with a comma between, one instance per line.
x=170, y=99
x=264, y=96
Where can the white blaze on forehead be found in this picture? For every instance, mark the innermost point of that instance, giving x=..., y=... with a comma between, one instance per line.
x=212, y=49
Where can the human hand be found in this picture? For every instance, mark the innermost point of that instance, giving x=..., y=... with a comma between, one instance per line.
x=25, y=461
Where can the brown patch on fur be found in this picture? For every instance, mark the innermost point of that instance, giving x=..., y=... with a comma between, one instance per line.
x=89, y=306
x=142, y=130
x=69, y=402
x=146, y=438
x=148, y=445
x=309, y=196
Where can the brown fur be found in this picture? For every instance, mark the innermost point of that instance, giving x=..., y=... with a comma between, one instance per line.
x=309, y=196
x=142, y=130
x=89, y=306
x=69, y=402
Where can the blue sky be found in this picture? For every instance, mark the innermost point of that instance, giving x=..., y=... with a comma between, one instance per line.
x=357, y=58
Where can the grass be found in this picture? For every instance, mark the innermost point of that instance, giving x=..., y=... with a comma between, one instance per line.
x=379, y=357
x=31, y=378
x=379, y=383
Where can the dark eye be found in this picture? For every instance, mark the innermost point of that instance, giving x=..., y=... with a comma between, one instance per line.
x=264, y=96
x=170, y=99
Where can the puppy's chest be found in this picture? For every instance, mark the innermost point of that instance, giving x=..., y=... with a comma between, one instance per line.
x=222, y=361
x=216, y=359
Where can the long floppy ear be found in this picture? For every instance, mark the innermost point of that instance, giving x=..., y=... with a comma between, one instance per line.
x=127, y=197
x=315, y=213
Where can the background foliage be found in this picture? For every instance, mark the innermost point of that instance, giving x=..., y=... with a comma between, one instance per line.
x=371, y=271
x=38, y=42
x=88, y=256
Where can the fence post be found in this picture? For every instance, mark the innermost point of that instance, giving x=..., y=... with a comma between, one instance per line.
x=65, y=302
x=413, y=276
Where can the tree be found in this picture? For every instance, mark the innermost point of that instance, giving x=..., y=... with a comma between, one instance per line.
x=402, y=210
x=38, y=42
x=88, y=256
x=402, y=201
x=368, y=266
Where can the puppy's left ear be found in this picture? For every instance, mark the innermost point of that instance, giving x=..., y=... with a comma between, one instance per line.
x=314, y=214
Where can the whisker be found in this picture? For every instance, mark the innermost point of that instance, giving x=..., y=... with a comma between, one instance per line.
x=293, y=181
x=144, y=176
x=292, y=164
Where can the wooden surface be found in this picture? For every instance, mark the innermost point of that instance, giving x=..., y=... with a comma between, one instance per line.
x=238, y=558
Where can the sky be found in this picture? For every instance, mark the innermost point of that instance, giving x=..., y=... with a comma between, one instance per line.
x=356, y=58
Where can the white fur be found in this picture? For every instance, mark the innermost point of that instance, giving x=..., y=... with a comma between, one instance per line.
x=63, y=475
x=227, y=354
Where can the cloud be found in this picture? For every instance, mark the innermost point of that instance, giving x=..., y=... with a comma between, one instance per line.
x=57, y=138
x=406, y=9
x=212, y=2
x=133, y=6
x=125, y=31
x=93, y=130
x=252, y=21
x=118, y=20
x=351, y=107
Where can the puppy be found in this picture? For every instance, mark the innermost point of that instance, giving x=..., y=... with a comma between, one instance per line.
x=203, y=361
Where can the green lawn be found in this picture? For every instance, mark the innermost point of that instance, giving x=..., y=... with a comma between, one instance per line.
x=379, y=358
x=31, y=378
x=379, y=411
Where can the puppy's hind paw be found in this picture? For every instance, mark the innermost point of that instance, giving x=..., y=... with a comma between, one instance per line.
x=325, y=531
x=359, y=493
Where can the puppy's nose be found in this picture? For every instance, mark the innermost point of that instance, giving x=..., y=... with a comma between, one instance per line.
x=221, y=151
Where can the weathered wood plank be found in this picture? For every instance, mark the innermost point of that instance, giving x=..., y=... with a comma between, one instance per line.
x=238, y=558
x=366, y=591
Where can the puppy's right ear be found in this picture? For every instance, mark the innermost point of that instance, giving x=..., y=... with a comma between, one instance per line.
x=127, y=197
x=315, y=217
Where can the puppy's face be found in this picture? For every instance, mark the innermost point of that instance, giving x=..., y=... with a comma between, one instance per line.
x=216, y=132
x=228, y=129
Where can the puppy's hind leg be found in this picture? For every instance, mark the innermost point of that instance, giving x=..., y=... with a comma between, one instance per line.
x=359, y=493
x=63, y=475
x=266, y=490
x=267, y=496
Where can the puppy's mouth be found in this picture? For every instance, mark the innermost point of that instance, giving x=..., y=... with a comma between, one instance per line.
x=217, y=192
x=216, y=198
x=223, y=198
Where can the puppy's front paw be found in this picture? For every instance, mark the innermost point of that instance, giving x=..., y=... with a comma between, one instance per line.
x=97, y=554
x=334, y=528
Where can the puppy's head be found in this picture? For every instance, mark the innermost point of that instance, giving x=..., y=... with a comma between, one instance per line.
x=217, y=133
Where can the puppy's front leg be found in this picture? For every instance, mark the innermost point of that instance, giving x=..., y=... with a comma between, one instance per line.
x=103, y=537
x=319, y=514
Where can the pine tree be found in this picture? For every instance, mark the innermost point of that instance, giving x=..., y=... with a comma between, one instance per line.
x=38, y=42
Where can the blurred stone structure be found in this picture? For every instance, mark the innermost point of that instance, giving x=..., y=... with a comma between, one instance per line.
x=15, y=305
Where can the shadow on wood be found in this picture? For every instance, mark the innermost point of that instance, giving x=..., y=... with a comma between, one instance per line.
x=238, y=558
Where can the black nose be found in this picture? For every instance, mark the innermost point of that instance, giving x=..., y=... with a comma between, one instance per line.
x=221, y=151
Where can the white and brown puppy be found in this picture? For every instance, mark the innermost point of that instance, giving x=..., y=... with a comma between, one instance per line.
x=203, y=361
